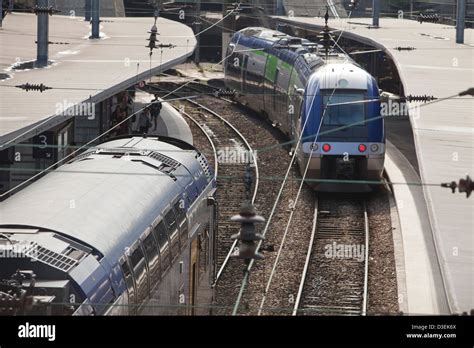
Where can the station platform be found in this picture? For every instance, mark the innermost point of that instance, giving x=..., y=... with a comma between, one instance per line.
x=444, y=143
x=420, y=283
x=76, y=74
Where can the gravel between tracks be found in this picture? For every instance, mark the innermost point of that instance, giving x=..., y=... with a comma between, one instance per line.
x=273, y=163
x=382, y=293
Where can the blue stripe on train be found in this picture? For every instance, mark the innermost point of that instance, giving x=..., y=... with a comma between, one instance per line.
x=376, y=127
x=312, y=107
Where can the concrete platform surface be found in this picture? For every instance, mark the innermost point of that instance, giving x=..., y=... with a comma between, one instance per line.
x=421, y=276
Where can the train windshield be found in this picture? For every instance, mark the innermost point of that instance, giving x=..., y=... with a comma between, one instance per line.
x=343, y=108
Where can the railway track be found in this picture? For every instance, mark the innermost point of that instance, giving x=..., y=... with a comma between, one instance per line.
x=335, y=276
x=232, y=153
x=329, y=286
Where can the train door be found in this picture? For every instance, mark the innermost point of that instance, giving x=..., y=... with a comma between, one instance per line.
x=294, y=102
x=150, y=246
x=193, y=275
x=172, y=226
x=161, y=235
x=269, y=83
x=139, y=270
x=182, y=223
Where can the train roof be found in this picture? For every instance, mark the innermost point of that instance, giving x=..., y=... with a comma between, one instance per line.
x=106, y=198
x=346, y=75
x=274, y=36
x=264, y=33
x=289, y=49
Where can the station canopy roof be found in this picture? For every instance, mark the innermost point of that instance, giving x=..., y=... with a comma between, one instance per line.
x=82, y=69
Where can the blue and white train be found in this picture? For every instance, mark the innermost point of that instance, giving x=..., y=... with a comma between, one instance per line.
x=127, y=228
x=285, y=79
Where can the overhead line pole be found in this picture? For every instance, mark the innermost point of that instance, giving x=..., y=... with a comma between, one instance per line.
x=42, y=34
x=460, y=17
x=95, y=19
x=375, y=12
x=87, y=10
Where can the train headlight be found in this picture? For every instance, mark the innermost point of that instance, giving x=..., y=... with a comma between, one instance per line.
x=326, y=147
x=374, y=147
x=314, y=147
x=362, y=148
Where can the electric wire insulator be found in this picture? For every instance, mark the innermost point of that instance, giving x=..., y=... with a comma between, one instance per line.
x=41, y=9
x=34, y=87
x=225, y=93
x=399, y=48
x=428, y=18
x=419, y=98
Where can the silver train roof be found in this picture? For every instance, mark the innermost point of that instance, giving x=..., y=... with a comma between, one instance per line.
x=102, y=200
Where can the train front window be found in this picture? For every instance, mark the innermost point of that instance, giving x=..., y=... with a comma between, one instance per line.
x=346, y=111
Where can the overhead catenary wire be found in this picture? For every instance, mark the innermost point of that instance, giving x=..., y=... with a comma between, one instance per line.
x=222, y=177
x=290, y=142
x=194, y=80
x=469, y=91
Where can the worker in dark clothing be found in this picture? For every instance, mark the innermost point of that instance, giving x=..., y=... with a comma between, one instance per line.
x=155, y=111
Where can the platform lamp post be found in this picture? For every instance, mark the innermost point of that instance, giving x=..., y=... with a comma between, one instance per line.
x=460, y=16
x=95, y=19
x=375, y=12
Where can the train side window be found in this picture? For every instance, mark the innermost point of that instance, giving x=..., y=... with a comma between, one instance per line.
x=161, y=235
x=137, y=259
x=180, y=211
x=170, y=220
x=128, y=281
x=153, y=257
